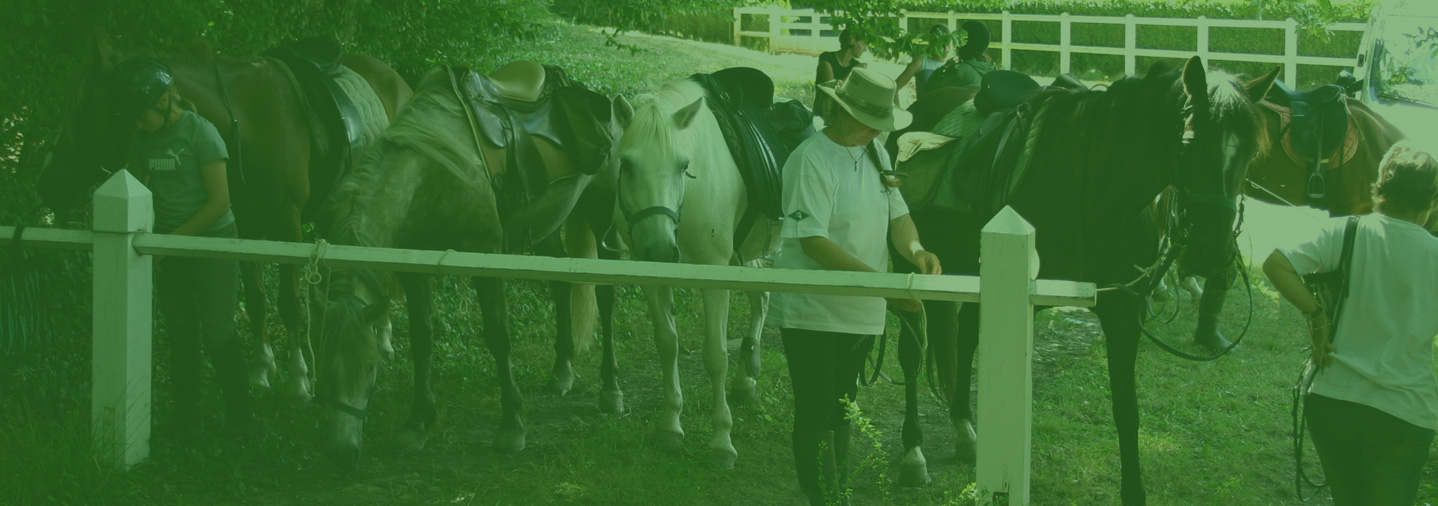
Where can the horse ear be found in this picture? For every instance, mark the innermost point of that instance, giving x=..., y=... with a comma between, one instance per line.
x=623, y=112
x=1195, y=79
x=685, y=116
x=1259, y=87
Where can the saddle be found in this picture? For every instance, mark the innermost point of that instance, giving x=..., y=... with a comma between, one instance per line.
x=1316, y=127
x=523, y=100
x=314, y=64
x=759, y=133
x=989, y=166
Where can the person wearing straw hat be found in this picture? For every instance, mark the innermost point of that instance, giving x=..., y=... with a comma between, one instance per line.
x=839, y=206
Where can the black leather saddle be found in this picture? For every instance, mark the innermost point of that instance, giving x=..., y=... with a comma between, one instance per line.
x=760, y=134
x=314, y=63
x=1319, y=123
x=526, y=99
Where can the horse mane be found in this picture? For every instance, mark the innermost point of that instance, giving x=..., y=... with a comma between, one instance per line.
x=653, y=126
x=418, y=128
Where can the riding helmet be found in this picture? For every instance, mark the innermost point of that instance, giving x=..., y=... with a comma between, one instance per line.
x=136, y=84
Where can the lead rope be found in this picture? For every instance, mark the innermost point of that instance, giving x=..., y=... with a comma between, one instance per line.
x=313, y=277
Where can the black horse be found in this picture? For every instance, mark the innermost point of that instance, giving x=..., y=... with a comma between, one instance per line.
x=1095, y=161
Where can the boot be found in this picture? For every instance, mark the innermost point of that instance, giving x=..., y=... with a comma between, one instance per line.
x=1210, y=305
x=185, y=388
x=841, y=461
x=229, y=360
x=814, y=464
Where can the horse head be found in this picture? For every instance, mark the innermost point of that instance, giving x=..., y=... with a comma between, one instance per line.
x=91, y=145
x=1222, y=134
x=354, y=341
x=654, y=157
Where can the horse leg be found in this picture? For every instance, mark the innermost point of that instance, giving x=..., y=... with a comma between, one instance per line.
x=914, y=470
x=745, y=389
x=1119, y=316
x=668, y=431
x=966, y=343
x=257, y=308
x=716, y=363
x=496, y=335
x=1210, y=306
x=561, y=378
x=424, y=415
x=611, y=399
x=292, y=314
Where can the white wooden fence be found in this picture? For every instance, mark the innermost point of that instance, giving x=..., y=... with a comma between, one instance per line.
x=123, y=265
x=820, y=36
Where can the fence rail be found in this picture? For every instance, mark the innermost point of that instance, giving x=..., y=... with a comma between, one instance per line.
x=123, y=294
x=816, y=35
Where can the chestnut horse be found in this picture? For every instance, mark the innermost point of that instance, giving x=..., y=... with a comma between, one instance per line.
x=274, y=187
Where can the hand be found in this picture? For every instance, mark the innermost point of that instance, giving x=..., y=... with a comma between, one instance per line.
x=928, y=263
x=906, y=305
x=1319, y=331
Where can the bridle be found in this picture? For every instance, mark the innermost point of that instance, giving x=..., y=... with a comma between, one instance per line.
x=671, y=213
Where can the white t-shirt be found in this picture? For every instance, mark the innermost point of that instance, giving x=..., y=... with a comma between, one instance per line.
x=1385, y=334
x=834, y=191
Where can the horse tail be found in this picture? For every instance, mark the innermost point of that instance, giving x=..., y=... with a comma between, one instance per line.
x=580, y=242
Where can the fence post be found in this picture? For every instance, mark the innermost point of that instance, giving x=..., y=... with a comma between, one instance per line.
x=1130, y=45
x=1006, y=337
x=1202, y=29
x=1008, y=25
x=953, y=21
x=120, y=396
x=774, y=18
x=738, y=26
x=1065, y=39
x=1290, y=53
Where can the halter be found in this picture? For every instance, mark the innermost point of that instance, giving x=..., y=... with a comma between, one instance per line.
x=672, y=214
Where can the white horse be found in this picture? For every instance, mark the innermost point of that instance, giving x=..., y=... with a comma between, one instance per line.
x=680, y=199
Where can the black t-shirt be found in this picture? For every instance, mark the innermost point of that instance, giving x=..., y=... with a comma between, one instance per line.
x=840, y=71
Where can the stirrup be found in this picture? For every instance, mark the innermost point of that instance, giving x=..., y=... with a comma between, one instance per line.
x=1317, y=186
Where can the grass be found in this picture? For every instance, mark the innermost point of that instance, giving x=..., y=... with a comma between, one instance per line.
x=1211, y=433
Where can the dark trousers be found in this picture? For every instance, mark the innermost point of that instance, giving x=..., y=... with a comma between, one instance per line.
x=199, y=296
x=1370, y=458
x=824, y=367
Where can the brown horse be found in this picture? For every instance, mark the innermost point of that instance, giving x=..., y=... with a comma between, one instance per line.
x=1096, y=161
x=435, y=180
x=1280, y=177
x=276, y=139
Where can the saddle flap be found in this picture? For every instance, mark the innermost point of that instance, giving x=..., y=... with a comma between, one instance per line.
x=584, y=118
x=1317, y=133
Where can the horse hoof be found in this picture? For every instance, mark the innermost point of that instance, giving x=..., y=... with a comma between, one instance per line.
x=669, y=440
x=723, y=459
x=260, y=378
x=966, y=442
x=411, y=441
x=509, y=441
x=914, y=470
x=744, y=392
x=561, y=384
x=611, y=402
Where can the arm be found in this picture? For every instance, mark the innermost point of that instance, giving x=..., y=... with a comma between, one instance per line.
x=908, y=74
x=218, y=188
x=1285, y=278
x=826, y=73
x=830, y=256
x=906, y=239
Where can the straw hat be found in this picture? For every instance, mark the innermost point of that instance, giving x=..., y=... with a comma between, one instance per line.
x=869, y=97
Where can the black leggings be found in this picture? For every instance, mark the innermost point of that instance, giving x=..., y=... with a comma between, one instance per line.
x=1371, y=458
x=198, y=296
x=824, y=368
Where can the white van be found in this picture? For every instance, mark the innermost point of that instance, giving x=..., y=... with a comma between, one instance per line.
x=1398, y=62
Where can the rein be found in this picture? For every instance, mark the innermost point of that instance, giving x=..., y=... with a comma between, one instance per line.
x=313, y=277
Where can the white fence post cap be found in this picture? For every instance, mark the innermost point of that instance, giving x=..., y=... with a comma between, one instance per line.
x=123, y=204
x=1008, y=222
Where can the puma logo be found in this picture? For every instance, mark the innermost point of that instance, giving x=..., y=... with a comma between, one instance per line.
x=171, y=162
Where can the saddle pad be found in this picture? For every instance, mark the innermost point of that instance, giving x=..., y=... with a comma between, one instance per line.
x=1349, y=149
x=372, y=117
x=925, y=156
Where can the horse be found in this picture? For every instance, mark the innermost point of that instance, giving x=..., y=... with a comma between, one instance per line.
x=1096, y=161
x=435, y=181
x=681, y=198
x=268, y=191
x=1277, y=178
